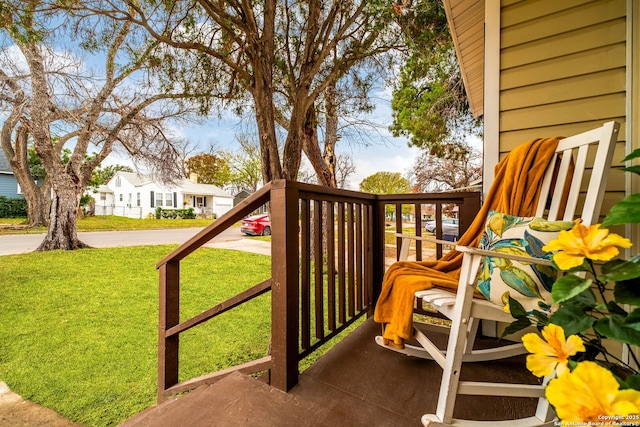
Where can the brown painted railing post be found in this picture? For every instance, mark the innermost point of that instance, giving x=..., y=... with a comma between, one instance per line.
x=285, y=307
x=169, y=316
x=469, y=211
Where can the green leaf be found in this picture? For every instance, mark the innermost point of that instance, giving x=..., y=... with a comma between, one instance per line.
x=585, y=299
x=632, y=321
x=634, y=154
x=632, y=381
x=627, y=292
x=573, y=319
x=612, y=327
x=633, y=169
x=618, y=270
x=541, y=317
x=614, y=308
x=567, y=287
x=627, y=211
x=516, y=309
x=516, y=326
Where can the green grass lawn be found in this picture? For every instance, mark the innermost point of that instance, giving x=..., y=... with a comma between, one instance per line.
x=78, y=329
x=105, y=223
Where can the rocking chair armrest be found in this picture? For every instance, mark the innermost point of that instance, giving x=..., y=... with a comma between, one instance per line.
x=494, y=254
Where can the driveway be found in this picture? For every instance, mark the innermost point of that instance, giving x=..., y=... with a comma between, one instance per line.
x=231, y=238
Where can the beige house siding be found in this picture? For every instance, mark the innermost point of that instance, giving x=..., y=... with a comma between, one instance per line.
x=633, y=102
x=563, y=70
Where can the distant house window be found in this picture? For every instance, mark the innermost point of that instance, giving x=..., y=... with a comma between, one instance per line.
x=138, y=199
x=118, y=182
x=200, y=201
x=103, y=196
x=121, y=197
x=168, y=199
x=159, y=199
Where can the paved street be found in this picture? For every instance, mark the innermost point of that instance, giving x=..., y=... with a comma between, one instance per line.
x=231, y=238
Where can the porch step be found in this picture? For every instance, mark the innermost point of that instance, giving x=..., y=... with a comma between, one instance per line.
x=239, y=400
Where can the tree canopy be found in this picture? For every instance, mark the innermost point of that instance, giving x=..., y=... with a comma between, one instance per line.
x=282, y=55
x=54, y=101
x=209, y=169
x=429, y=102
x=385, y=183
x=244, y=165
x=431, y=173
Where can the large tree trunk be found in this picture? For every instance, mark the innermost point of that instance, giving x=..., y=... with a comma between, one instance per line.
x=63, y=233
x=323, y=164
x=270, y=157
x=38, y=202
x=331, y=135
x=37, y=197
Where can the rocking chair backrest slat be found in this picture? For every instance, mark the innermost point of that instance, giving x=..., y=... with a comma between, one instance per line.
x=576, y=149
x=580, y=164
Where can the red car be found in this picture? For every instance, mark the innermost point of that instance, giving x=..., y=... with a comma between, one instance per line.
x=257, y=225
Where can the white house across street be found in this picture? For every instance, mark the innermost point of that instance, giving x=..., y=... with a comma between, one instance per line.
x=137, y=196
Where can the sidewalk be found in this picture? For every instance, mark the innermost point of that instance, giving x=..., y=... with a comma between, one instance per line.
x=17, y=412
x=245, y=244
x=23, y=243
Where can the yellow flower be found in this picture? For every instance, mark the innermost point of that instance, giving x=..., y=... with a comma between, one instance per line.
x=582, y=242
x=551, y=353
x=589, y=393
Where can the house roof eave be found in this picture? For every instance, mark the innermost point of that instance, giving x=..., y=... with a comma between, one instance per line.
x=466, y=23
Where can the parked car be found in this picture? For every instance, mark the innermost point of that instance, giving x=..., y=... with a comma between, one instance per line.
x=257, y=225
x=449, y=228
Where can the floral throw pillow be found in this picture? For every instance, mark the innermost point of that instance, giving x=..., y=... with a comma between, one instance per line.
x=528, y=283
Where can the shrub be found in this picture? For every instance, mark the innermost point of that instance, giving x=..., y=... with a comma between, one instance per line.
x=175, y=213
x=13, y=208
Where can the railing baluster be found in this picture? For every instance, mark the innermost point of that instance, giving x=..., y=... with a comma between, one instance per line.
x=359, y=265
x=305, y=274
x=368, y=265
x=350, y=262
x=318, y=267
x=398, y=210
x=331, y=266
x=438, y=229
x=418, y=230
x=342, y=253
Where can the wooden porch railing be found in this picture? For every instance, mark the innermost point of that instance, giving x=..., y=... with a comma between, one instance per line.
x=327, y=264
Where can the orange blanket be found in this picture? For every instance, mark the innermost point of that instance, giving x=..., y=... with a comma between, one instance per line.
x=515, y=190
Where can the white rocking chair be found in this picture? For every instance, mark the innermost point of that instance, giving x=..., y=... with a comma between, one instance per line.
x=465, y=311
